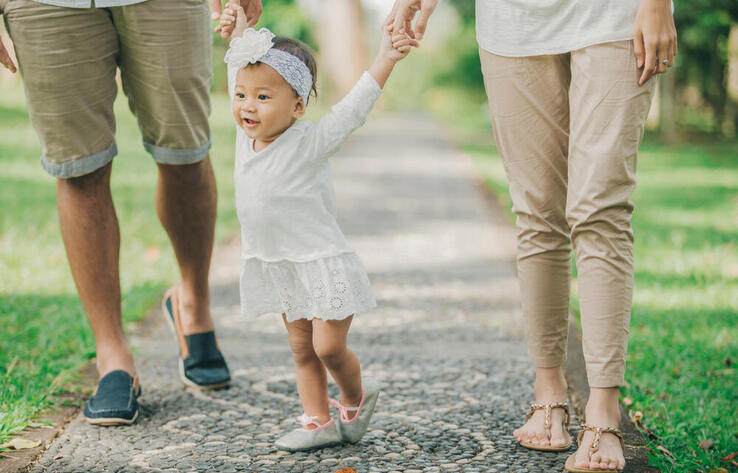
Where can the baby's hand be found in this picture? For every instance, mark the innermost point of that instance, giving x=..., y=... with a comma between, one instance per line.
x=233, y=21
x=396, y=46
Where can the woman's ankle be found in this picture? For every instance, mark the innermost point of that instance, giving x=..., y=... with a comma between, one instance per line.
x=603, y=408
x=550, y=385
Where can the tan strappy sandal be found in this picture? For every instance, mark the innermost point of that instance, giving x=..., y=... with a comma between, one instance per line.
x=547, y=425
x=594, y=447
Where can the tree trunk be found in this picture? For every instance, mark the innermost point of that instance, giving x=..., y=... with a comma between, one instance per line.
x=731, y=84
x=342, y=50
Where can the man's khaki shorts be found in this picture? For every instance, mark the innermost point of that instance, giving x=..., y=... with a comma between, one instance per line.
x=68, y=58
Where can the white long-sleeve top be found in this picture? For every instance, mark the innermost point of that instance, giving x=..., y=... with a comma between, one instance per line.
x=285, y=200
x=537, y=27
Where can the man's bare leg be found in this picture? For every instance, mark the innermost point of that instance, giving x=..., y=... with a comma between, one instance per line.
x=91, y=236
x=186, y=202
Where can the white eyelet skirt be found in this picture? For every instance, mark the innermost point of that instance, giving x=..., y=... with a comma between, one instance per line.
x=330, y=288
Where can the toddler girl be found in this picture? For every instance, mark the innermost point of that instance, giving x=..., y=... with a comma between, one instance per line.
x=294, y=258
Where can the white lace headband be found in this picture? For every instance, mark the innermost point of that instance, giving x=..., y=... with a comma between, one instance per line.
x=256, y=46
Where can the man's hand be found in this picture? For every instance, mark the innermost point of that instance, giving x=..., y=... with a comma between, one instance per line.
x=401, y=17
x=654, y=38
x=252, y=8
x=5, y=59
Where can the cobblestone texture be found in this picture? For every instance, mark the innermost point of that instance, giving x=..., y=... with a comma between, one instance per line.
x=455, y=381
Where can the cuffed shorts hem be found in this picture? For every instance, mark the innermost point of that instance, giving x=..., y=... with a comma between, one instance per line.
x=177, y=156
x=82, y=166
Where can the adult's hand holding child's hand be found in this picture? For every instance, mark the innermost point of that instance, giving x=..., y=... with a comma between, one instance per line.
x=236, y=17
x=400, y=19
x=396, y=46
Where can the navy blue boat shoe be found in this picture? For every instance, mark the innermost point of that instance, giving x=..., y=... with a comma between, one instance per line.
x=201, y=364
x=114, y=401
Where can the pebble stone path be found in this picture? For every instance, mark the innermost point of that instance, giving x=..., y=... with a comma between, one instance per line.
x=444, y=343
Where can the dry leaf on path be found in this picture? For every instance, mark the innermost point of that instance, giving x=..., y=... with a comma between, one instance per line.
x=706, y=444
x=346, y=470
x=21, y=444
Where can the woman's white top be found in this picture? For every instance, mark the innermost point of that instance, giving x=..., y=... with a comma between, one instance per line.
x=538, y=27
x=294, y=257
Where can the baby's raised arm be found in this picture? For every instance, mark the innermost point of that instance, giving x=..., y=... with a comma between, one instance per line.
x=394, y=47
x=351, y=112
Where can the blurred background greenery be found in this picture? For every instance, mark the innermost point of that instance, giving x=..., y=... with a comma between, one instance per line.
x=684, y=333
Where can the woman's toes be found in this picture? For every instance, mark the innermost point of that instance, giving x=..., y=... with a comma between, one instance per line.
x=582, y=461
x=595, y=461
x=612, y=464
x=559, y=438
x=621, y=465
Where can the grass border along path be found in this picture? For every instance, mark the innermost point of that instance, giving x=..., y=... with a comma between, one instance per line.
x=683, y=349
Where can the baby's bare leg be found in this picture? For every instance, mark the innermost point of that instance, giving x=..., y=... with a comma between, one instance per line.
x=312, y=383
x=329, y=342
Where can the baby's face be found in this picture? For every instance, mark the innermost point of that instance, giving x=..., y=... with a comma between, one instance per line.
x=264, y=104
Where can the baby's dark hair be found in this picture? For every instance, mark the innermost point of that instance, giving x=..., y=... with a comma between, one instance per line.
x=302, y=52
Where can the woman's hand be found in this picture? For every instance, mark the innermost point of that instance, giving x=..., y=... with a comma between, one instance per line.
x=654, y=38
x=233, y=21
x=403, y=12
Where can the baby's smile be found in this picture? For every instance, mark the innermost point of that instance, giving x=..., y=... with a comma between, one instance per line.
x=249, y=122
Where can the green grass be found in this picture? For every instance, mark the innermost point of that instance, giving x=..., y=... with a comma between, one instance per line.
x=683, y=346
x=46, y=337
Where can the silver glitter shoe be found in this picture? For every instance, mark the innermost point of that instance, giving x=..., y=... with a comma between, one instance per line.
x=352, y=430
x=304, y=439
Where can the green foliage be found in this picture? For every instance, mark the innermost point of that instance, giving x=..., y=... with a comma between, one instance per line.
x=459, y=66
x=703, y=27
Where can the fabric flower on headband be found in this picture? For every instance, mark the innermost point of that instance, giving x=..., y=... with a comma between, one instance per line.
x=256, y=46
x=249, y=48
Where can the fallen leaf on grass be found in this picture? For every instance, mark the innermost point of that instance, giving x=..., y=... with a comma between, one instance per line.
x=731, y=458
x=636, y=417
x=719, y=470
x=41, y=425
x=628, y=401
x=705, y=444
x=722, y=372
x=665, y=451
x=20, y=444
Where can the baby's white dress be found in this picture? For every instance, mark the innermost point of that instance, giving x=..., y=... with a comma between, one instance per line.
x=294, y=258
